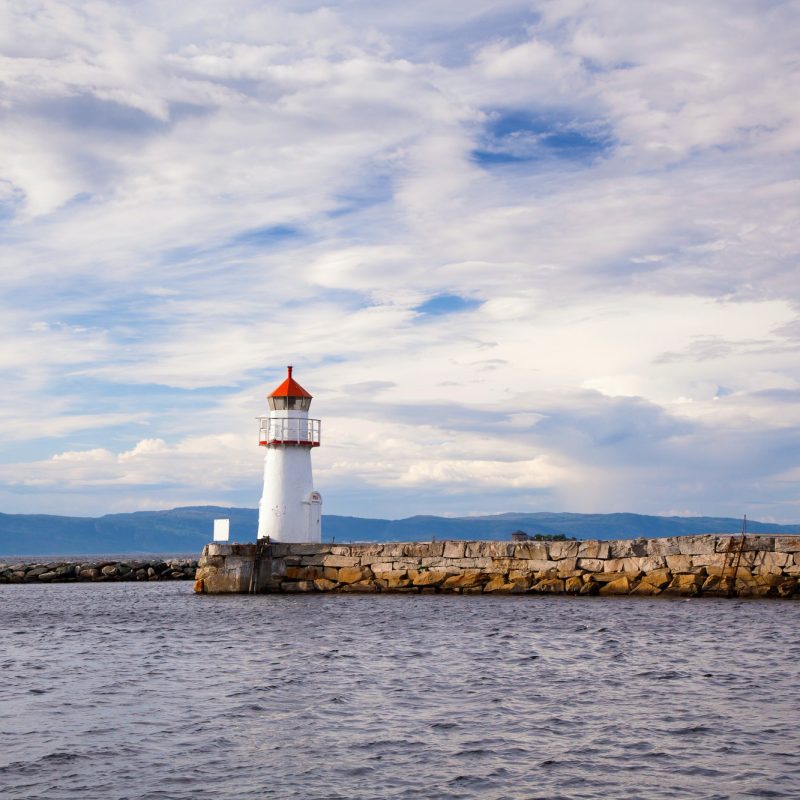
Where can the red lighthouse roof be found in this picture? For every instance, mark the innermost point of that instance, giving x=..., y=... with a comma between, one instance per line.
x=290, y=388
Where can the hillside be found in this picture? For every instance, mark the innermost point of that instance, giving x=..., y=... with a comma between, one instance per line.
x=186, y=530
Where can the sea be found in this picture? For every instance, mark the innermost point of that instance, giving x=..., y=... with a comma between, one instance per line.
x=143, y=690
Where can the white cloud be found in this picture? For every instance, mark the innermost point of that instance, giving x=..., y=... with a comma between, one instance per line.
x=192, y=197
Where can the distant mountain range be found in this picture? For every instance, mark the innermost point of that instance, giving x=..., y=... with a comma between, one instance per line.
x=186, y=530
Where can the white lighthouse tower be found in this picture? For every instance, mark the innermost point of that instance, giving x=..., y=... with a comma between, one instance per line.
x=290, y=510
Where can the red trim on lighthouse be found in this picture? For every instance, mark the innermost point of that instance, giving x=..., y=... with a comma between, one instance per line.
x=290, y=388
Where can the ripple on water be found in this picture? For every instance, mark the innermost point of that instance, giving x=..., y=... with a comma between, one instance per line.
x=145, y=691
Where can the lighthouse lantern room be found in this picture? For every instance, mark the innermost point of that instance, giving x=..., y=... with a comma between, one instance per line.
x=290, y=510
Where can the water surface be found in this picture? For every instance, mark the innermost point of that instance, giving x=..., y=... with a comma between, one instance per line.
x=146, y=691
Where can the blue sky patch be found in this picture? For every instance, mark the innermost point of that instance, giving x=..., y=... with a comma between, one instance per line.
x=442, y=304
x=519, y=136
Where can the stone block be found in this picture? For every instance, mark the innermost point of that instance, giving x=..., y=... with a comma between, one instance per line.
x=308, y=549
x=708, y=560
x=423, y=549
x=697, y=545
x=537, y=565
x=360, y=587
x=665, y=546
x=658, y=578
x=298, y=586
x=465, y=580
x=628, y=548
x=573, y=585
x=616, y=565
x=302, y=573
x=752, y=543
x=591, y=548
x=787, y=544
x=619, y=586
x=685, y=584
x=340, y=561
x=559, y=550
x=530, y=550
x=646, y=589
x=590, y=564
x=429, y=578
x=679, y=563
x=324, y=585
x=498, y=584
x=383, y=567
x=454, y=549
x=549, y=586
x=500, y=549
x=567, y=566
x=341, y=550
x=769, y=558
x=610, y=577
x=353, y=574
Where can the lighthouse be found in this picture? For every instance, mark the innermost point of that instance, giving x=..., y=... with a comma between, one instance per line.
x=290, y=510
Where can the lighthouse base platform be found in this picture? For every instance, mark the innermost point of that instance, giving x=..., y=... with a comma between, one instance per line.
x=712, y=565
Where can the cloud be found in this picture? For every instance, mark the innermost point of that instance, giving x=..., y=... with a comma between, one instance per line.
x=523, y=257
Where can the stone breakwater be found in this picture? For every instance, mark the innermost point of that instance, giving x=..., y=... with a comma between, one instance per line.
x=765, y=566
x=96, y=571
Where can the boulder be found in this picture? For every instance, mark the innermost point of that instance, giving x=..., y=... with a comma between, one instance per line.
x=298, y=586
x=89, y=574
x=658, y=578
x=549, y=586
x=619, y=586
x=361, y=586
x=685, y=584
x=573, y=585
x=302, y=573
x=465, y=580
x=429, y=578
x=324, y=585
x=353, y=574
x=646, y=589
x=498, y=583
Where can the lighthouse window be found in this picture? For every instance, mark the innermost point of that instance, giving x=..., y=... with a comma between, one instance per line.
x=291, y=403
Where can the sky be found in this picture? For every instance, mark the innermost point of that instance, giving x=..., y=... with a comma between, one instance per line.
x=527, y=256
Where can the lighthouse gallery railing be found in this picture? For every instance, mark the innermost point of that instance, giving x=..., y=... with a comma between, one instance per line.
x=289, y=431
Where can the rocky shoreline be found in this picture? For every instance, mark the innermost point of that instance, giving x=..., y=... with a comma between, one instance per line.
x=175, y=569
x=707, y=565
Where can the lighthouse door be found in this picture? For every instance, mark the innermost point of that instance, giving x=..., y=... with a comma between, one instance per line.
x=314, y=510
